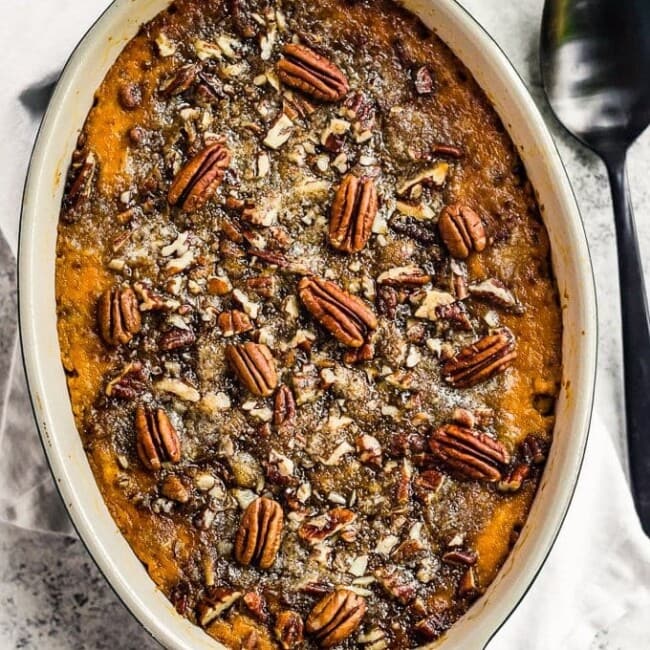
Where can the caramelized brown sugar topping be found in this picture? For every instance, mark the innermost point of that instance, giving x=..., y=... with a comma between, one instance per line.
x=309, y=322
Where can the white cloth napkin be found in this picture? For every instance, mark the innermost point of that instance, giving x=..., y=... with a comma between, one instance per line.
x=594, y=591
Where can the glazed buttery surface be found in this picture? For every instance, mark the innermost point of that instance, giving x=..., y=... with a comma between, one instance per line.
x=308, y=319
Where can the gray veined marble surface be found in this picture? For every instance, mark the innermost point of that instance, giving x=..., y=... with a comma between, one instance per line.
x=51, y=594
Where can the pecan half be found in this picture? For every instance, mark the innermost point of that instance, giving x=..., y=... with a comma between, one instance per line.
x=118, y=315
x=176, y=339
x=461, y=230
x=199, y=179
x=284, y=408
x=345, y=316
x=255, y=367
x=156, y=438
x=481, y=360
x=352, y=214
x=469, y=453
x=289, y=629
x=312, y=73
x=260, y=532
x=335, y=617
x=234, y=322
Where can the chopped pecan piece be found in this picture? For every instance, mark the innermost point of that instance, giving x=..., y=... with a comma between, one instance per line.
x=176, y=339
x=387, y=301
x=256, y=605
x=255, y=367
x=464, y=558
x=352, y=214
x=284, y=408
x=118, y=315
x=423, y=81
x=396, y=584
x=289, y=629
x=361, y=108
x=260, y=533
x=428, y=629
x=217, y=286
x=214, y=602
x=129, y=96
x=244, y=25
x=481, y=360
x=447, y=150
x=407, y=551
x=534, y=449
x=265, y=286
x=78, y=188
x=234, y=322
x=156, y=438
x=404, y=276
x=369, y=450
x=129, y=383
x=199, y=179
x=512, y=481
x=358, y=355
x=468, y=453
x=347, y=317
x=149, y=301
x=317, y=529
x=312, y=73
x=429, y=480
x=173, y=488
x=456, y=315
x=181, y=596
x=180, y=81
x=335, y=617
x=468, y=586
x=461, y=230
x=495, y=292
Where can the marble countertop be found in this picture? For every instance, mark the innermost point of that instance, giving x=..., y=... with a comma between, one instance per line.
x=52, y=595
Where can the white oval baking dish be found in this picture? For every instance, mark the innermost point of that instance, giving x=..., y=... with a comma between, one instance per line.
x=43, y=191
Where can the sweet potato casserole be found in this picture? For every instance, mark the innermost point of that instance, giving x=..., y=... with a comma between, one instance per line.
x=308, y=320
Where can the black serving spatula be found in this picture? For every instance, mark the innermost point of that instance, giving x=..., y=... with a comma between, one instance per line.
x=595, y=57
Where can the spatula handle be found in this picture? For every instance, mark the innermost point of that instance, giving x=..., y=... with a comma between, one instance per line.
x=636, y=339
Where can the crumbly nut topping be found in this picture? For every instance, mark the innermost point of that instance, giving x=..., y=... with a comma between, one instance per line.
x=310, y=319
